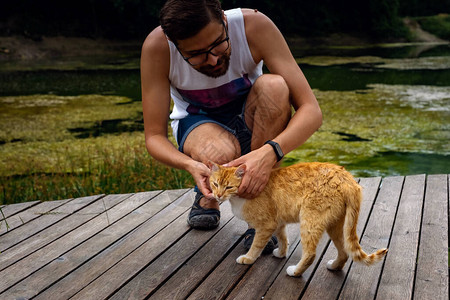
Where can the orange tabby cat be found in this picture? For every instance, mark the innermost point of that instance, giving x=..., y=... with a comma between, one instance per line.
x=319, y=196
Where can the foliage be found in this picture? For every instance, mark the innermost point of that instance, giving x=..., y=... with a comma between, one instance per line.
x=125, y=170
x=423, y=8
x=131, y=19
x=438, y=25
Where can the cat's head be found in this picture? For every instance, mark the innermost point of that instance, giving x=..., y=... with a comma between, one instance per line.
x=225, y=181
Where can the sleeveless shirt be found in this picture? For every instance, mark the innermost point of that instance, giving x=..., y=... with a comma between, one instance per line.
x=195, y=93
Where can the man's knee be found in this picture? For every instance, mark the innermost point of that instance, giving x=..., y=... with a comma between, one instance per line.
x=273, y=86
x=268, y=103
x=210, y=142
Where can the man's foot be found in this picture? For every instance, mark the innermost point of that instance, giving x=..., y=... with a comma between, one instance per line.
x=249, y=235
x=203, y=218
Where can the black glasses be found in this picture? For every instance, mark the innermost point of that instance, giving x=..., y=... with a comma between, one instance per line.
x=217, y=49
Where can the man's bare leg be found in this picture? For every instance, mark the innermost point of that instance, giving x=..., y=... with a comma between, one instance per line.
x=268, y=110
x=267, y=113
x=211, y=142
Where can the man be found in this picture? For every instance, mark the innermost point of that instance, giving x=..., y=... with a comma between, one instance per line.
x=225, y=110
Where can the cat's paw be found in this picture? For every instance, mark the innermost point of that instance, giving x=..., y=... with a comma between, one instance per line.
x=245, y=260
x=333, y=265
x=291, y=271
x=277, y=253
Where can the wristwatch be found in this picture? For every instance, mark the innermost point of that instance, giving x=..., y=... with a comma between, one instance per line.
x=277, y=149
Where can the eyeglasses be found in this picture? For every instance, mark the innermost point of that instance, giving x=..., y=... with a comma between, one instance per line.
x=219, y=48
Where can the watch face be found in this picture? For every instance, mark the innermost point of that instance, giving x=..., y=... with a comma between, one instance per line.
x=280, y=152
x=276, y=147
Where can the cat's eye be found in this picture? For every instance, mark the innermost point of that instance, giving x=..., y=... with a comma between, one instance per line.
x=215, y=184
x=228, y=187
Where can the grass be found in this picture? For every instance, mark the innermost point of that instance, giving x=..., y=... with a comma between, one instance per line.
x=126, y=169
x=59, y=147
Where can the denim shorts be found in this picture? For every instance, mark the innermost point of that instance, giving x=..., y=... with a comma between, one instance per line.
x=234, y=124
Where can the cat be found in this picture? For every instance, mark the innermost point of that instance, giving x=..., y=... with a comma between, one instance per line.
x=319, y=196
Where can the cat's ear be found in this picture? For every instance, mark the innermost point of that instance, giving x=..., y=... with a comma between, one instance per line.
x=240, y=171
x=213, y=166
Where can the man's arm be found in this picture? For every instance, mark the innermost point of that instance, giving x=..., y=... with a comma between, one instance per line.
x=267, y=43
x=155, y=85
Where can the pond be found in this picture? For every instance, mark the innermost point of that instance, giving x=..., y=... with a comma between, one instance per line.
x=386, y=109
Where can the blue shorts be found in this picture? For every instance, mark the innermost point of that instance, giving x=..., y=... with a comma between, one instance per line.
x=234, y=124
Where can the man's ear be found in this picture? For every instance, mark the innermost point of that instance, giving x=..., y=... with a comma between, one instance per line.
x=240, y=171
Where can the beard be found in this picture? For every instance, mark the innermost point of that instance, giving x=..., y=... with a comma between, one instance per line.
x=219, y=69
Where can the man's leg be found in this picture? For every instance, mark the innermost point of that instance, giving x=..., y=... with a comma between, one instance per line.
x=209, y=142
x=267, y=113
x=268, y=109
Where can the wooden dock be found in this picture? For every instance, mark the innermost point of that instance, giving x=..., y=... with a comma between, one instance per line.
x=138, y=246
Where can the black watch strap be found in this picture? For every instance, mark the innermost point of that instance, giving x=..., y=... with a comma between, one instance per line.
x=276, y=147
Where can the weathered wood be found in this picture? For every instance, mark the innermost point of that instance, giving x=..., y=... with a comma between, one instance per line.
x=92, y=269
x=33, y=212
x=224, y=277
x=286, y=287
x=138, y=246
x=192, y=273
x=69, y=261
x=53, y=250
x=125, y=269
x=398, y=274
x=326, y=284
x=169, y=262
x=12, y=209
x=362, y=281
x=264, y=271
x=35, y=234
x=432, y=270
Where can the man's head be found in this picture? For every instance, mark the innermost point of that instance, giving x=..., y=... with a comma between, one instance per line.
x=182, y=19
x=198, y=29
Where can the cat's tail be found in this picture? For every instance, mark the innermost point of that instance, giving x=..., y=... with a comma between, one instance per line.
x=352, y=245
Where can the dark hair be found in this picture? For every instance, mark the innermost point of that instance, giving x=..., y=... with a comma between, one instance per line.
x=182, y=19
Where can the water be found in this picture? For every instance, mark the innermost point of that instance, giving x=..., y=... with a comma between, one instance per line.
x=386, y=108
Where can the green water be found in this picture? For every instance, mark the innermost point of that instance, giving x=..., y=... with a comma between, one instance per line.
x=386, y=108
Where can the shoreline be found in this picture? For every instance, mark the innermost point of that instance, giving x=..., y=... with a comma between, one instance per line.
x=25, y=48
x=21, y=48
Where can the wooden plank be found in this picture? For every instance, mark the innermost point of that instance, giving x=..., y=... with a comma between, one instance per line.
x=263, y=272
x=326, y=284
x=31, y=213
x=287, y=287
x=35, y=234
x=222, y=280
x=362, y=281
x=170, y=261
x=432, y=270
x=12, y=209
x=69, y=261
x=398, y=274
x=8, y=211
x=94, y=268
x=38, y=259
x=128, y=267
x=193, y=272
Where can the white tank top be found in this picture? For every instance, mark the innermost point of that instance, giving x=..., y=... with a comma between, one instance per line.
x=195, y=93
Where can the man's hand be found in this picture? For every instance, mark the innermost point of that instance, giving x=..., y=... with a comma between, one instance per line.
x=200, y=172
x=259, y=164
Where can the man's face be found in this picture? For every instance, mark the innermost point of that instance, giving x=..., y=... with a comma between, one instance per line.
x=208, y=51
